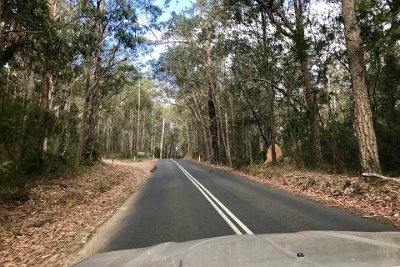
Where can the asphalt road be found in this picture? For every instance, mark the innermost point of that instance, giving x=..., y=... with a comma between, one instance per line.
x=184, y=201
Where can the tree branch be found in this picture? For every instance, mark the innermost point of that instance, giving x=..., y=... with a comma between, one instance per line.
x=278, y=88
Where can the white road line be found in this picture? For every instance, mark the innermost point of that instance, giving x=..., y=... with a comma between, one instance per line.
x=229, y=222
x=207, y=194
x=244, y=227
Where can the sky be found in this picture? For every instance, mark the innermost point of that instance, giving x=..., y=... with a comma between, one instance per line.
x=174, y=5
x=154, y=35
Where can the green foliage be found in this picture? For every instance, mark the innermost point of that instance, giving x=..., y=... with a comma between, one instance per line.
x=248, y=58
x=5, y=166
x=389, y=148
x=12, y=186
x=49, y=66
x=341, y=147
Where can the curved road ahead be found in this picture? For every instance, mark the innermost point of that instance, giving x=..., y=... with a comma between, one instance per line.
x=184, y=201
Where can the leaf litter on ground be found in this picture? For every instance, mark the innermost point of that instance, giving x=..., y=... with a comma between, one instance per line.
x=61, y=215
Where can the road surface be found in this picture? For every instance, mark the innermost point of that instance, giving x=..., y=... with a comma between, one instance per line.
x=184, y=201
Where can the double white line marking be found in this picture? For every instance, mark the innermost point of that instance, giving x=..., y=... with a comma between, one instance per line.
x=217, y=205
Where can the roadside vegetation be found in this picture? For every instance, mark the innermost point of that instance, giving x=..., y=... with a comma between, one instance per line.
x=61, y=65
x=62, y=214
x=255, y=74
x=235, y=78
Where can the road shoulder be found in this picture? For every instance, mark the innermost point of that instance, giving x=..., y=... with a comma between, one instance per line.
x=61, y=216
x=103, y=233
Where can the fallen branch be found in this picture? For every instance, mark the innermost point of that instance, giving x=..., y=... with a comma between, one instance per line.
x=375, y=175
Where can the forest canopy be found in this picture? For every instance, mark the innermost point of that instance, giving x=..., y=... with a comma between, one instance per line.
x=318, y=78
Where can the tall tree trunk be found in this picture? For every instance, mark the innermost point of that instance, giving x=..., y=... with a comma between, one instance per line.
x=138, y=123
x=143, y=134
x=153, y=138
x=82, y=127
x=364, y=128
x=46, y=92
x=211, y=102
x=301, y=49
x=270, y=93
x=234, y=144
x=162, y=137
x=89, y=151
x=60, y=132
x=44, y=107
x=271, y=122
x=29, y=83
x=221, y=135
x=67, y=128
x=213, y=129
x=248, y=142
x=131, y=123
x=52, y=6
x=206, y=133
x=109, y=137
x=228, y=149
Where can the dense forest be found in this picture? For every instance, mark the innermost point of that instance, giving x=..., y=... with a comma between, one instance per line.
x=318, y=78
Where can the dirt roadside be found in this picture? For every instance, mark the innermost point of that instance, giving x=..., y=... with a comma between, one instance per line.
x=60, y=216
x=379, y=200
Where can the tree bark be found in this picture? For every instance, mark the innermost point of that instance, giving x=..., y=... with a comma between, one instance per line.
x=213, y=130
x=270, y=93
x=66, y=138
x=46, y=92
x=90, y=153
x=89, y=150
x=228, y=149
x=52, y=6
x=248, y=144
x=206, y=134
x=271, y=122
x=162, y=137
x=211, y=102
x=221, y=135
x=130, y=140
x=44, y=107
x=143, y=134
x=364, y=128
x=138, y=123
x=301, y=49
x=61, y=109
x=84, y=117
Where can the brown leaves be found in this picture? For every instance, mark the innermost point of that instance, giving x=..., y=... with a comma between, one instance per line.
x=61, y=215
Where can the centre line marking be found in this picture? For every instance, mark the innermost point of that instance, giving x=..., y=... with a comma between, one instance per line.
x=216, y=204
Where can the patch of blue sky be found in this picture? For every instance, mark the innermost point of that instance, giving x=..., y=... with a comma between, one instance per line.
x=173, y=6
